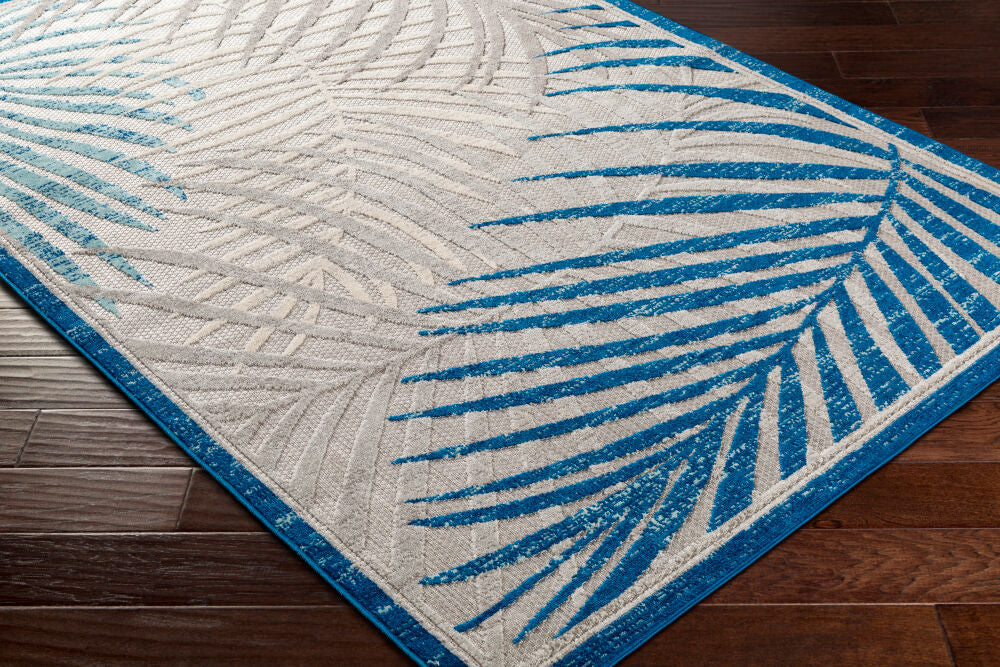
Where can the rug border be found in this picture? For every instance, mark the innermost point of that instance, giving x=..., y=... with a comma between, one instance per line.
x=628, y=632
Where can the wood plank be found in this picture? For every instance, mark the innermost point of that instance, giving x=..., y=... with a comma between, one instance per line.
x=8, y=299
x=210, y=507
x=946, y=11
x=91, y=499
x=871, y=566
x=55, y=382
x=25, y=334
x=952, y=495
x=911, y=64
x=804, y=65
x=985, y=150
x=791, y=636
x=709, y=635
x=707, y=14
x=123, y=437
x=973, y=631
x=965, y=123
x=859, y=38
x=971, y=434
x=228, y=635
x=911, y=117
x=15, y=425
x=915, y=93
x=159, y=569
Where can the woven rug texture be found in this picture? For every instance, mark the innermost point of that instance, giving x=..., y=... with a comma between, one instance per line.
x=527, y=323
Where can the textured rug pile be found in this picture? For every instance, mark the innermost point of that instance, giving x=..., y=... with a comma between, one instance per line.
x=526, y=323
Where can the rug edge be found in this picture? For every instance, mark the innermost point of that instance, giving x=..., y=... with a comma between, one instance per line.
x=339, y=571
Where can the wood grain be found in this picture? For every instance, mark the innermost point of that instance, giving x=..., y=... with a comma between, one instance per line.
x=8, y=299
x=123, y=437
x=91, y=499
x=820, y=65
x=55, y=382
x=873, y=566
x=946, y=11
x=973, y=632
x=767, y=635
x=25, y=334
x=15, y=425
x=707, y=14
x=911, y=117
x=209, y=507
x=196, y=636
x=165, y=569
x=971, y=434
x=794, y=635
x=955, y=495
x=965, y=122
x=910, y=64
x=985, y=150
x=880, y=95
x=870, y=39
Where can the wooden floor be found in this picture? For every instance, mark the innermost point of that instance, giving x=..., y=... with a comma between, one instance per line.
x=115, y=548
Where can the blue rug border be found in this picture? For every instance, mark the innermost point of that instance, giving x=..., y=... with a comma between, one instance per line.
x=631, y=630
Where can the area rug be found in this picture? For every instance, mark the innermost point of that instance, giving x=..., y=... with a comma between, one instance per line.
x=526, y=323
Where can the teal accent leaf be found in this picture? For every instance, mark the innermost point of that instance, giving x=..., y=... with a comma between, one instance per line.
x=42, y=180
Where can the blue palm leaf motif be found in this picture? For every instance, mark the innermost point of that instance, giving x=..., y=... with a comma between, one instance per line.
x=629, y=497
x=49, y=127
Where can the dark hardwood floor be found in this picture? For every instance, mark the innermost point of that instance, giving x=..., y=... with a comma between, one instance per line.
x=113, y=548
